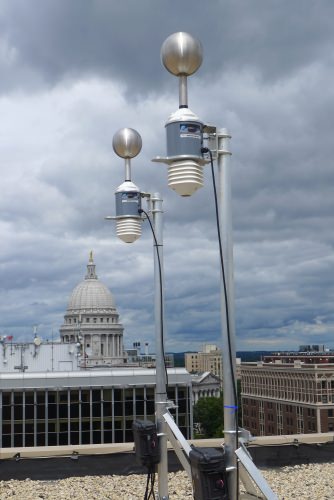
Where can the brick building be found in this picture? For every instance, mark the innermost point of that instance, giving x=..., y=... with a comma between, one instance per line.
x=282, y=398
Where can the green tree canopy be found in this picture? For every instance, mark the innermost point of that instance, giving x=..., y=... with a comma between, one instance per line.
x=209, y=412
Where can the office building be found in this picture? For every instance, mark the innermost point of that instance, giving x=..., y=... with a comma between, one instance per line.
x=207, y=360
x=85, y=407
x=287, y=398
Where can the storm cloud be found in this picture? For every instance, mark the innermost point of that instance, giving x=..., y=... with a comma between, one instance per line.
x=73, y=73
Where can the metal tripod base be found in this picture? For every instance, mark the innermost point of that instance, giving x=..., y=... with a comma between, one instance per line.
x=255, y=484
x=249, y=475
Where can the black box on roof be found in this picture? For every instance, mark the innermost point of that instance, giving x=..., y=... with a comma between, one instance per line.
x=208, y=471
x=146, y=442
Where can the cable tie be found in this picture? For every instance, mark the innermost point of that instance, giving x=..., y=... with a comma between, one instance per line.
x=235, y=408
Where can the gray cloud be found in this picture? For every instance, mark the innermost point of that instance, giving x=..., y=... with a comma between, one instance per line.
x=75, y=72
x=61, y=39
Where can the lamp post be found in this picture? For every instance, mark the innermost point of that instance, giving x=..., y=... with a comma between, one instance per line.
x=127, y=144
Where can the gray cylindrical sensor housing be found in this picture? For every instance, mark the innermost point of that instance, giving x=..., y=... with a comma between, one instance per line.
x=184, y=133
x=128, y=218
x=128, y=203
x=128, y=200
x=184, y=138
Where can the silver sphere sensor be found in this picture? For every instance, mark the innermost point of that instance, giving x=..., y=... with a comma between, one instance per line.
x=127, y=143
x=181, y=54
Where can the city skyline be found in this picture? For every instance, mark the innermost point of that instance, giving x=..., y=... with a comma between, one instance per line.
x=74, y=73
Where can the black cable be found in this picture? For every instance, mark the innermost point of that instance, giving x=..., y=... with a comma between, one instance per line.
x=150, y=481
x=235, y=392
x=224, y=283
x=161, y=293
x=152, y=485
x=147, y=483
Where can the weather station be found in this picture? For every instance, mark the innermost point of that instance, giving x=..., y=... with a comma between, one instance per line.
x=191, y=145
x=129, y=217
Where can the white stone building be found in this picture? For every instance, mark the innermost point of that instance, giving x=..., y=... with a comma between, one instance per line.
x=92, y=320
x=205, y=385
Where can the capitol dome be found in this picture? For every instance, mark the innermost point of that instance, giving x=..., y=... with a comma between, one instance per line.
x=90, y=294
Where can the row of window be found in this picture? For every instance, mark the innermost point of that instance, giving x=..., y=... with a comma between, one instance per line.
x=302, y=396
x=78, y=396
x=280, y=408
x=94, y=320
x=310, y=424
x=279, y=430
x=82, y=416
x=290, y=383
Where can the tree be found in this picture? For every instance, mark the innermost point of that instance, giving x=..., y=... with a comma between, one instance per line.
x=209, y=413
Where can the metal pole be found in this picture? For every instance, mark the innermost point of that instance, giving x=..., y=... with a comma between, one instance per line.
x=161, y=393
x=228, y=323
x=127, y=169
x=183, y=91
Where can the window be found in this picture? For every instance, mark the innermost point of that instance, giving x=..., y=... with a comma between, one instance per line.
x=94, y=320
x=87, y=320
x=101, y=320
x=330, y=413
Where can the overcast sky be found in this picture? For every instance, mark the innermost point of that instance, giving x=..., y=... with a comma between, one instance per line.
x=73, y=72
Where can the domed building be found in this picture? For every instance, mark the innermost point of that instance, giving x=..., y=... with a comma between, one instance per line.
x=92, y=320
x=83, y=390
